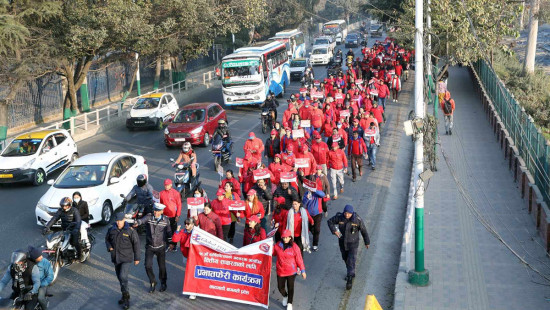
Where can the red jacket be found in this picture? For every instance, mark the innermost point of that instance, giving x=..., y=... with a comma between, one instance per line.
x=305, y=113
x=288, y=114
x=289, y=260
x=298, y=222
x=377, y=112
x=250, y=235
x=183, y=238
x=337, y=159
x=255, y=147
x=276, y=170
x=320, y=152
x=236, y=185
x=248, y=211
x=210, y=223
x=383, y=91
x=221, y=208
x=312, y=163
x=357, y=146
x=172, y=200
x=317, y=118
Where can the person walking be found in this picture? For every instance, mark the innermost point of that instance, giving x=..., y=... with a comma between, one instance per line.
x=395, y=87
x=289, y=264
x=322, y=183
x=383, y=93
x=356, y=150
x=158, y=235
x=171, y=198
x=209, y=221
x=313, y=203
x=319, y=149
x=272, y=146
x=448, y=107
x=338, y=165
x=372, y=139
x=122, y=242
x=253, y=232
x=347, y=226
x=220, y=206
x=184, y=239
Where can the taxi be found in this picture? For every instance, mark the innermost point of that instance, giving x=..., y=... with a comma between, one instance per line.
x=32, y=156
x=152, y=111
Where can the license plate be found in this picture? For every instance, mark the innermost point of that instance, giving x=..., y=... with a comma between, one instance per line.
x=180, y=174
x=140, y=122
x=179, y=139
x=6, y=176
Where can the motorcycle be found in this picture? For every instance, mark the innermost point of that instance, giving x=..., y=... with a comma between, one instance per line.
x=183, y=181
x=19, y=302
x=267, y=119
x=61, y=253
x=133, y=212
x=221, y=150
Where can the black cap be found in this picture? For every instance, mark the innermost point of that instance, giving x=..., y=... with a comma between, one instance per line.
x=119, y=216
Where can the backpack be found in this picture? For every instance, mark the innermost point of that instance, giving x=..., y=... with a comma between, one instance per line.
x=447, y=107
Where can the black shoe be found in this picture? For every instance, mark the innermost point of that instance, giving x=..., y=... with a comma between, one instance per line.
x=349, y=283
x=153, y=286
x=162, y=287
x=373, y=168
x=451, y=132
x=125, y=301
x=122, y=300
x=353, y=180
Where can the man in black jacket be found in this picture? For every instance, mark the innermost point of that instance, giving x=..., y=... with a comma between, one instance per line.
x=70, y=219
x=272, y=146
x=158, y=236
x=288, y=192
x=263, y=192
x=122, y=242
x=347, y=226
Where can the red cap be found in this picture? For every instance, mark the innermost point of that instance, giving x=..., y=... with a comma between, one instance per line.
x=274, y=131
x=251, y=192
x=278, y=156
x=220, y=192
x=167, y=181
x=280, y=200
x=316, y=134
x=254, y=218
x=286, y=233
x=287, y=128
x=251, y=135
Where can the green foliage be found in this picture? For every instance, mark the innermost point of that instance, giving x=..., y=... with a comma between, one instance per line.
x=384, y=10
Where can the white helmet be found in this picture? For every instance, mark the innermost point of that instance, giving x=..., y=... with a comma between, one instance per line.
x=186, y=147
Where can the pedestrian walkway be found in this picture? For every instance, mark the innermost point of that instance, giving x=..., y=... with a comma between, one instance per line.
x=476, y=223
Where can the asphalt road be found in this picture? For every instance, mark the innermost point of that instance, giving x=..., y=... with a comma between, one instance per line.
x=93, y=285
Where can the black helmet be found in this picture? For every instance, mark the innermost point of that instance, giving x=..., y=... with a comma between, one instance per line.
x=141, y=180
x=66, y=201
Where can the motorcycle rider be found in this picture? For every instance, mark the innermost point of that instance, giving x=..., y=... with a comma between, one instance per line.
x=70, y=218
x=188, y=156
x=46, y=274
x=350, y=54
x=271, y=104
x=82, y=207
x=143, y=191
x=25, y=277
x=223, y=131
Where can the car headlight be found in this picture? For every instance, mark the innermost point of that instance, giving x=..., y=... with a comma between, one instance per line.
x=196, y=130
x=166, y=132
x=42, y=206
x=93, y=201
x=228, y=93
x=256, y=91
x=28, y=164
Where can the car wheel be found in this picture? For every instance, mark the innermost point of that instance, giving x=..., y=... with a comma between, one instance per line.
x=39, y=177
x=206, y=140
x=74, y=157
x=106, y=213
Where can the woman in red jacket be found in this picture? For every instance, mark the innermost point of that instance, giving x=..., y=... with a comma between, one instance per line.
x=220, y=206
x=297, y=220
x=253, y=233
x=184, y=236
x=253, y=207
x=289, y=263
x=230, y=195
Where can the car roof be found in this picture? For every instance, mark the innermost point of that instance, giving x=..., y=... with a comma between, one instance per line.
x=198, y=105
x=299, y=59
x=321, y=46
x=154, y=95
x=103, y=158
x=41, y=134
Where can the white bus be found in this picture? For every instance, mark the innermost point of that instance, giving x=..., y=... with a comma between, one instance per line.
x=294, y=41
x=336, y=28
x=251, y=72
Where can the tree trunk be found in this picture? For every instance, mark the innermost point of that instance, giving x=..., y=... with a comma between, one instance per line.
x=529, y=64
x=521, y=16
x=157, y=73
x=75, y=74
x=4, y=109
x=251, y=34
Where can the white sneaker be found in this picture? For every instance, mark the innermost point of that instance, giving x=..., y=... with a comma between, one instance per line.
x=289, y=307
x=315, y=248
x=192, y=297
x=285, y=301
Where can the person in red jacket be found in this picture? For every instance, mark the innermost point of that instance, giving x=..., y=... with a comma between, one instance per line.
x=289, y=263
x=230, y=177
x=383, y=93
x=253, y=232
x=253, y=207
x=395, y=87
x=209, y=221
x=305, y=153
x=356, y=150
x=184, y=237
x=338, y=165
x=255, y=146
x=276, y=168
x=220, y=206
x=287, y=115
x=378, y=113
x=305, y=111
x=317, y=119
x=171, y=198
x=319, y=150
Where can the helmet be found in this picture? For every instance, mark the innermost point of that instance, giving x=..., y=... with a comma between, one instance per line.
x=18, y=256
x=141, y=180
x=222, y=123
x=66, y=201
x=186, y=147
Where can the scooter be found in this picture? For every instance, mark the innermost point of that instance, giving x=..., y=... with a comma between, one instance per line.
x=221, y=150
x=183, y=182
x=133, y=212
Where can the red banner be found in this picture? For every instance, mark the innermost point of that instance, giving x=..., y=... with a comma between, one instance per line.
x=217, y=269
x=301, y=162
x=317, y=94
x=236, y=205
x=261, y=174
x=339, y=96
x=288, y=176
x=239, y=162
x=195, y=203
x=344, y=113
x=310, y=185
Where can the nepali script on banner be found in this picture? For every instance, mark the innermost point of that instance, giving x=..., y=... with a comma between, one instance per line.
x=217, y=269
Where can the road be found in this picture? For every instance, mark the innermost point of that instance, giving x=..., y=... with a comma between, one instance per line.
x=93, y=285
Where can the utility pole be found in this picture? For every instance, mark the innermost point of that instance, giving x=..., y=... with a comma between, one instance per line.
x=419, y=276
x=138, y=82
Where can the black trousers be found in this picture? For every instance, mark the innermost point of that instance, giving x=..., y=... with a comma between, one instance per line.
x=289, y=283
x=75, y=241
x=349, y=256
x=231, y=233
x=298, y=241
x=316, y=231
x=28, y=305
x=161, y=260
x=173, y=226
x=122, y=270
x=225, y=229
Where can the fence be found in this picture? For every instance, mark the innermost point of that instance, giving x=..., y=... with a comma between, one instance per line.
x=529, y=140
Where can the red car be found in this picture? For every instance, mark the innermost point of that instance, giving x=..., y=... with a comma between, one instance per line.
x=194, y=123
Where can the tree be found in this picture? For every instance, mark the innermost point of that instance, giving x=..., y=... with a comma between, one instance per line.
x=529, y=64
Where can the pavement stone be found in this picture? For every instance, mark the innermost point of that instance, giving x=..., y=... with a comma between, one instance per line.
x=469, y=267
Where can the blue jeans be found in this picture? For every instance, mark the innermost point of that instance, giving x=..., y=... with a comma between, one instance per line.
x=382, y=102
x=122, y=271
x=42, y=297
x=371, y=151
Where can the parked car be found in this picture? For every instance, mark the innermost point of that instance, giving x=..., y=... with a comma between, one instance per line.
x=101, y=178
x=352, y=40
x=376, y=31
x=325, y=40
x=194, y=123
x=152, y=111
x=320, y=55
x=297, y=68
x=31, y=157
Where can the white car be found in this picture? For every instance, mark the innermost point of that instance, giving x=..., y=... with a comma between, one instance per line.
x=320, y=55
x=325, y=40
x=152, y=111
x=101, y=178
x=31, y=157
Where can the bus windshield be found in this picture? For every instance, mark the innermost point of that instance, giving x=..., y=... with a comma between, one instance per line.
x=241, y=72
x=331, y=29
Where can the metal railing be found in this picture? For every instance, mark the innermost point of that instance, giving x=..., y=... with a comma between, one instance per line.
x=529, y=140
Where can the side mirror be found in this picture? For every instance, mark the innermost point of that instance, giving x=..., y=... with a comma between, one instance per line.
x=114, y=180
x=50, y=182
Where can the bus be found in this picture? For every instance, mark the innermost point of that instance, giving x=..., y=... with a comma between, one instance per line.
x=251, y=72
x=294, y=41
x=336, y=28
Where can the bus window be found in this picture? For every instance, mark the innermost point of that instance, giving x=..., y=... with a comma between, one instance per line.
x=300, y=39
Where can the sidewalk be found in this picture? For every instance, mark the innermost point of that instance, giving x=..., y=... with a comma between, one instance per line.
x=470, y=268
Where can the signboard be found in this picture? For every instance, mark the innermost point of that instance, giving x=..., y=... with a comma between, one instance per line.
x=301, y=162
x=305, y=123
x=289, y=176
x=239, y=162
x=310, y=185
x=195, y=203
x=240, y=63
x=339, y=96
x=303, y=90
x=359, y=81
x=236, y=205
x=317, y=95
x=344, y=113
x=297, y=133
x=261, y=174
x=217, y=269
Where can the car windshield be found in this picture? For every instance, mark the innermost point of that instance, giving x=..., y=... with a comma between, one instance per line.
x=146, y=103
x=190, y=116
x=352, y=37
x=298, y=63
x=241, y=72
x=22, y=147
x=319, y=51
x=321, y=41
x=374, y=28
x=331, y=29
x=81, y=176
